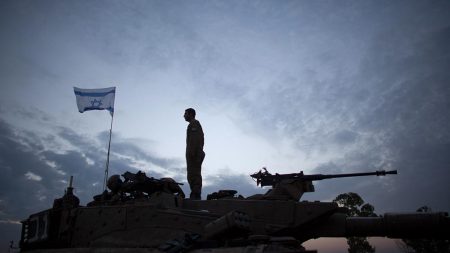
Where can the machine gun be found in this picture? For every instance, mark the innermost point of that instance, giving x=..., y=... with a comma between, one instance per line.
x=264, y=178
x=292, y=186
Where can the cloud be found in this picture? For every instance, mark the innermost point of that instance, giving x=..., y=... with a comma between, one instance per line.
x=402, y=120
x=26, y=177
x=127, y=147
x=31, y=176
x=10, y=222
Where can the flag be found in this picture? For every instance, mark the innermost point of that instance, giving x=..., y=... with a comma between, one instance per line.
x=95, y=99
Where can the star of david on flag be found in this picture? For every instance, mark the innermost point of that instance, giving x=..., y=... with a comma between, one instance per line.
x=95, y=99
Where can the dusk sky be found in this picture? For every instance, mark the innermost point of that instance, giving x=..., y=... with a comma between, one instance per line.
x=320, y=86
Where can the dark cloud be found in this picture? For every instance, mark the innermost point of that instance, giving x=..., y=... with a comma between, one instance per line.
x=19, y=195
x=410, y=117
x=406, y=114
x=345, y=137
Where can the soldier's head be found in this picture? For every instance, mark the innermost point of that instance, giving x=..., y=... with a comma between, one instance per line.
x=189, y=114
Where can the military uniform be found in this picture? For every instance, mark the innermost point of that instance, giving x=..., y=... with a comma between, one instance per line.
x=194, y=157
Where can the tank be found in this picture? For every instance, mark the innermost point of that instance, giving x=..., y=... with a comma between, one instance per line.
x=142, y=214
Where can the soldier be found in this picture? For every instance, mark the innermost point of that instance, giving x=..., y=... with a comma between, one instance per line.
x=194, y=153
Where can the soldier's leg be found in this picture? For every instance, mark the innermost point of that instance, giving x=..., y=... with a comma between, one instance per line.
x=195, y=176
x=193, y=173
x=195, y=182
x=189, y=172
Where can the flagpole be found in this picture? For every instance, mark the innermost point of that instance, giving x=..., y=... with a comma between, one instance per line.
x=107, y=158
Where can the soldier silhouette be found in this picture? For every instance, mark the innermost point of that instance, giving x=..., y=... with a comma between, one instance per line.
x=194, y=153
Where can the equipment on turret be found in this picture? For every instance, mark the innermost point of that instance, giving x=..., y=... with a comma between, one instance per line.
x=292, y=186
x=135, y=186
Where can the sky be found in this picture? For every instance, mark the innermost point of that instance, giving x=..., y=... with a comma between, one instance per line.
x=315, y=86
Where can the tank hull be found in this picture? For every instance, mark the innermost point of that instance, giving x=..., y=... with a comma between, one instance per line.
x=167, y=222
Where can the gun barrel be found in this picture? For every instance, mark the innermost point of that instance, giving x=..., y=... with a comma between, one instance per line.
x=376, y=173
x=391, y=225
x=402, y=225
x=265, y=178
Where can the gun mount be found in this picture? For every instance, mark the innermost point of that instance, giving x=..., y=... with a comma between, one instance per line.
x=292, y=186
x=152, y=216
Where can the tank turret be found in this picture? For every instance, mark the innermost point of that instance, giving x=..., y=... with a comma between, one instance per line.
x=142, y=214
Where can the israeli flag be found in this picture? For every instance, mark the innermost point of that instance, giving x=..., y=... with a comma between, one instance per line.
x=95, y=99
